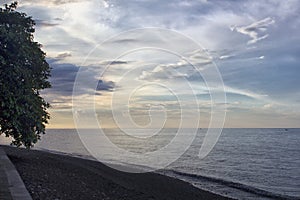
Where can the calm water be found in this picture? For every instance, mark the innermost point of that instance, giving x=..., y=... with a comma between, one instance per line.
x=245, y=163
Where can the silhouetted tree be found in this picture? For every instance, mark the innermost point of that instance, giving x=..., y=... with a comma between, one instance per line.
x=23, y=73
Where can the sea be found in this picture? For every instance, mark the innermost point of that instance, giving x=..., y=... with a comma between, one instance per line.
x=244, y=164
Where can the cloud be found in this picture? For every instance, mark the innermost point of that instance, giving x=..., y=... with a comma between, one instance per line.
x=62, y=77
x=223, y=57
x=63, y=55
x=255, y=29
x=199, y=55
x=261, y=57
x=187, y=68
x=105, y=85
x=268, y=106
x=45, y=23
x=70, y=29
x=113, y=62
x=277, y=8
x=59, y=2
x=50, y=2
x=124, y=40
x=165, y=71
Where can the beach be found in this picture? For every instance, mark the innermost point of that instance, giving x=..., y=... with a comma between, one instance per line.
x=52, y=176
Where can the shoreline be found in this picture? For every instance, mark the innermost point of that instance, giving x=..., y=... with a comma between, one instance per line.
x=53, y=176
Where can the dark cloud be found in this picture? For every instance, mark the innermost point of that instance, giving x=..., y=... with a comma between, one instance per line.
x=63, y=55
x=127, y=40
x=105, y=85
x=45, y=23
x=114, y=62
x=58, y=19
x=62, y=77
x=118, y=62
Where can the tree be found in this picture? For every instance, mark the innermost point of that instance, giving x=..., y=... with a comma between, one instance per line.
x=24, y=72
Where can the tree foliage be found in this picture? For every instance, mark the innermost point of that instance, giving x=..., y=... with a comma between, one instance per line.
x=24, y=72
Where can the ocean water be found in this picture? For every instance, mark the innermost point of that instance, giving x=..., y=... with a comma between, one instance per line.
x=244, y=164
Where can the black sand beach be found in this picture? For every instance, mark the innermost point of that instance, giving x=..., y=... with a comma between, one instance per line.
x=52, y=176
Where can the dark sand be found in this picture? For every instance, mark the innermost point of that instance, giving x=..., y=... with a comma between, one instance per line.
x=52, y=176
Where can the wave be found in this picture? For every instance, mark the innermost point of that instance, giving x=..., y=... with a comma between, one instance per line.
x=237, y=185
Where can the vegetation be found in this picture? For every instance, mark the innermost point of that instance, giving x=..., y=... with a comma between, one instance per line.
x=24, y=72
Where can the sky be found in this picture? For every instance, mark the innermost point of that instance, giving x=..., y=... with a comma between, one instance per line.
x=151, y=63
